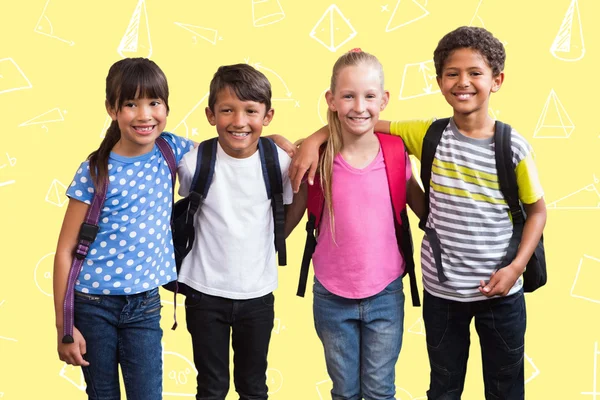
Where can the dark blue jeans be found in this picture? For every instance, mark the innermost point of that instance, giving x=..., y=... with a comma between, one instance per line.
x=500, y=324
x=121, y=330
x=211, y=321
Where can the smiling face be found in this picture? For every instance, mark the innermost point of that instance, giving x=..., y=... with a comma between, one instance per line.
x=467, y=82
x=239, y=123
x=141, y=121
x=358, y=98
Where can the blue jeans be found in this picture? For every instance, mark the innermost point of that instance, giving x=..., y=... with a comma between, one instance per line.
x=211, y=321
x=121, y=330
x=362, y=340
x=500, y=323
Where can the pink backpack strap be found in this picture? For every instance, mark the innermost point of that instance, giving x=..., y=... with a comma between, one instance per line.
x=395, y=158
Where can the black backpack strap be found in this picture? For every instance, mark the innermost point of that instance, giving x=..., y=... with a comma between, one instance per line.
x=205, y=169
x=507, y=180
x=430, y=142
x=269, y=160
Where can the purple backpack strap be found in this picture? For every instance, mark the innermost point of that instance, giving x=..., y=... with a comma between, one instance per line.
x=167, y=153
x=87, y=235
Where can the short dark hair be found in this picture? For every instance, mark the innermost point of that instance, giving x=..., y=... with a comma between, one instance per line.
x=246, y=82
x=478, y=39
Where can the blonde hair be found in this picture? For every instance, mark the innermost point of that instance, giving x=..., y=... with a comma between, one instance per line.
x=335, y=142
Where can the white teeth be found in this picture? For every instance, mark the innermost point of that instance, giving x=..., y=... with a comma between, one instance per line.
x=240, y=134
x=464, y=96
x=144, y=129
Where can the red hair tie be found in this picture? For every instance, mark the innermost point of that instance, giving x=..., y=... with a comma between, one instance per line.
x=355, y=50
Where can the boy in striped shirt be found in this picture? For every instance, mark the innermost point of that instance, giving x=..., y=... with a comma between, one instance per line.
x=471, y=218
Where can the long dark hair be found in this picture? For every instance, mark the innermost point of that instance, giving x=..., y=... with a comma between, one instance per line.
x=127, y=79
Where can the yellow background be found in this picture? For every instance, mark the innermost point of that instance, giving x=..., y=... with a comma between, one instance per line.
x=55, y=55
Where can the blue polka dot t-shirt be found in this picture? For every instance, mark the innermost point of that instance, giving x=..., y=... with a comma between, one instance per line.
x=133, y=251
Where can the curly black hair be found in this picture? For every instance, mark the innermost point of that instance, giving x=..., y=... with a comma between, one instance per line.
x=478, y=39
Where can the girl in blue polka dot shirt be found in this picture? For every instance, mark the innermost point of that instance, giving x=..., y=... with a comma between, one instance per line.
x=117, y=304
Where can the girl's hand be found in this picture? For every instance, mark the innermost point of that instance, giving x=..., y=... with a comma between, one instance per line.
x=284, y=144
x=72, y=353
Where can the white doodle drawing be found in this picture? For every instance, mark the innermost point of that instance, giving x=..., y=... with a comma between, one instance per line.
x=179, y=375
x=595, y=393
x=554, y=122
x=44, y=27
x=180, y=299
x=190, y=124
x=568, y=44
x=403, y=394
x=323, y=389
x=588, y=271
x=4, y=337
x=322, y=107
x=278, y=327
x=493, y=113
x=418, y=327
x=107, y=122
x=476, y=18
x=277, y=95
x=333, y=30
x=274, y=380
x=136, y=41
x=74, y=375
x=418, y=79
x=56, y=194
x=54, y=115
x=208, y=34
x=406, y=12
x=12, y=161
x=530, y=366
x=42, y=274
x=266, y=12
x=586, y=198
x=12, y=77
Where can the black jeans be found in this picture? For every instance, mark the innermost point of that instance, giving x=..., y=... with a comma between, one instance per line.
x=500, y=324
x=211, y=320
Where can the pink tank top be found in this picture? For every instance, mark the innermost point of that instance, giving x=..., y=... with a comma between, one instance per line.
x=364, y=258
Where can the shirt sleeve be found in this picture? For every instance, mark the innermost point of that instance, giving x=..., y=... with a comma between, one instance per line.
x=530, y=188
x=82, y=187
x=179, y=144
x=412, y=132
x=284, y=164
x=185, y=172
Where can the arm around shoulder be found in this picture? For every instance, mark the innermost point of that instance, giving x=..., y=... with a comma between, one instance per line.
x=295, y=211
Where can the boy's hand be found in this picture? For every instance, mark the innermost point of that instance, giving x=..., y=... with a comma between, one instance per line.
x=501, y=281
x=72, y=353
x=284, y=144
x=306, y=159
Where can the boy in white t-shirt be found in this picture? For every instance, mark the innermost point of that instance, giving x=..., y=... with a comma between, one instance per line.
x=231, y=269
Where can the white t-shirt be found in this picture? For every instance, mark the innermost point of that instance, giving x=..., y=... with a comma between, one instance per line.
x=233, y=255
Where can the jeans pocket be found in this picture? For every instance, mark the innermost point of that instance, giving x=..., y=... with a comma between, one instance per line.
x=88, y=298
x=193, y=300
x=269, y=299
x=319, y=290
x=395, y=286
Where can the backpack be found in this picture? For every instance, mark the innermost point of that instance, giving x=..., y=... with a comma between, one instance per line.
x=535, y=275
x=87, y=234
x=395, y=158
x=182, y=218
